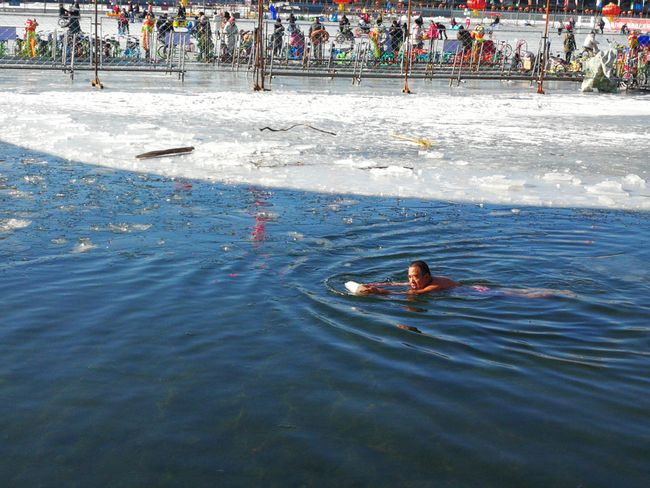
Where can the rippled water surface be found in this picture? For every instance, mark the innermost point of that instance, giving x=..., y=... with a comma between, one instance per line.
x=159, y=332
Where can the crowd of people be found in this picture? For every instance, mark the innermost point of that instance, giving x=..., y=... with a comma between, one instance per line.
x=384, y=38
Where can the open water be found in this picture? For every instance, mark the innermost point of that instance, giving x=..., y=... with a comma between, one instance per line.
x=162, y=332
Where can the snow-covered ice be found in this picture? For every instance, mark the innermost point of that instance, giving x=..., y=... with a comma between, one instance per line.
x=490, y=143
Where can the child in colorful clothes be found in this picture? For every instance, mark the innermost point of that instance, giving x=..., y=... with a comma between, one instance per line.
x=147, y=31
x=30, y=38
x=123, y=23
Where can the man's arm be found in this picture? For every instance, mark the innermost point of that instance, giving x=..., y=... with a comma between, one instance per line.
x=372, y=290
x=439, y=283
x=426, y=289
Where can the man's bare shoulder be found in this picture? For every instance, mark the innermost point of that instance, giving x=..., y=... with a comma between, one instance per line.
x=443, y=283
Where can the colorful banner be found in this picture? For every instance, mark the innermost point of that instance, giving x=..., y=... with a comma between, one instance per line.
x=640, y=24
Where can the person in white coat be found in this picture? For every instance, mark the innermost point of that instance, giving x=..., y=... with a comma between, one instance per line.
x=230, y=32
x=590, y=45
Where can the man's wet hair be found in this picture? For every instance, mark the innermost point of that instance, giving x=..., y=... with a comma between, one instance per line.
x=422, y=266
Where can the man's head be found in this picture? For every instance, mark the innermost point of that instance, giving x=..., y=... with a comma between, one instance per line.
x=419, y=275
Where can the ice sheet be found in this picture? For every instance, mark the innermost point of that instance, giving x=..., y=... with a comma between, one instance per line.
x=501, y=144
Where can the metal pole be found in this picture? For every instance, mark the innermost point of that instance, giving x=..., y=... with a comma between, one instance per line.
x=540, y=84
x=259, y=52
x=480, y=56
x=408, y=49
x=453, y=68
x=72, y=57
x=96, y=83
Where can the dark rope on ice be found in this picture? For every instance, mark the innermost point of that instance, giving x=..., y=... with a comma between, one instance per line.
x=298, y=125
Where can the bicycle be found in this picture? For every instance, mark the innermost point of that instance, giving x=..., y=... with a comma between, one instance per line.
x=82, y=47
x=345, y=36
x=521, y=48
x=503, y=52
x=163, y=51
x=111, y=48
x=132, y=49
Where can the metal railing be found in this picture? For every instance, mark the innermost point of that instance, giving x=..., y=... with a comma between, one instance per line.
x=358, y=58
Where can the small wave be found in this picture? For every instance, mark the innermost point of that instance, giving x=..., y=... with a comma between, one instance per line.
x=118, y=228
x=33, y=179
x=18, y=193
x=141, y=227
x=7, y=225
x=84, y=245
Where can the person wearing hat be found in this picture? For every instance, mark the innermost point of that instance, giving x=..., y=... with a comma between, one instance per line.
x=465, y=39
x=590, y=45
x=164, y=27
x=181, y=12
x=344, y=24
x=74, y=27
x=442, y=30
x=318, y=35
x=63, y=13
x=123, y=22
x=276, y=37
x=29, y=44
x=204, y=34
x=130, y=11
x=417, y=37
x=396, y=36
x=147, y=30
x=230, y=32
x=292, y=27
x=224, y=20
x=569, y=45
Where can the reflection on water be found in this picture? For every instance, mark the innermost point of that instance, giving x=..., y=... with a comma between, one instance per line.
x=159, y=333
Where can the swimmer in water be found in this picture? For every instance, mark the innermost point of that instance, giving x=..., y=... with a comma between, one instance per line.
x=420, y=282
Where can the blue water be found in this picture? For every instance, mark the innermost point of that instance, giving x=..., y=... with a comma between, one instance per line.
x=206, y=338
